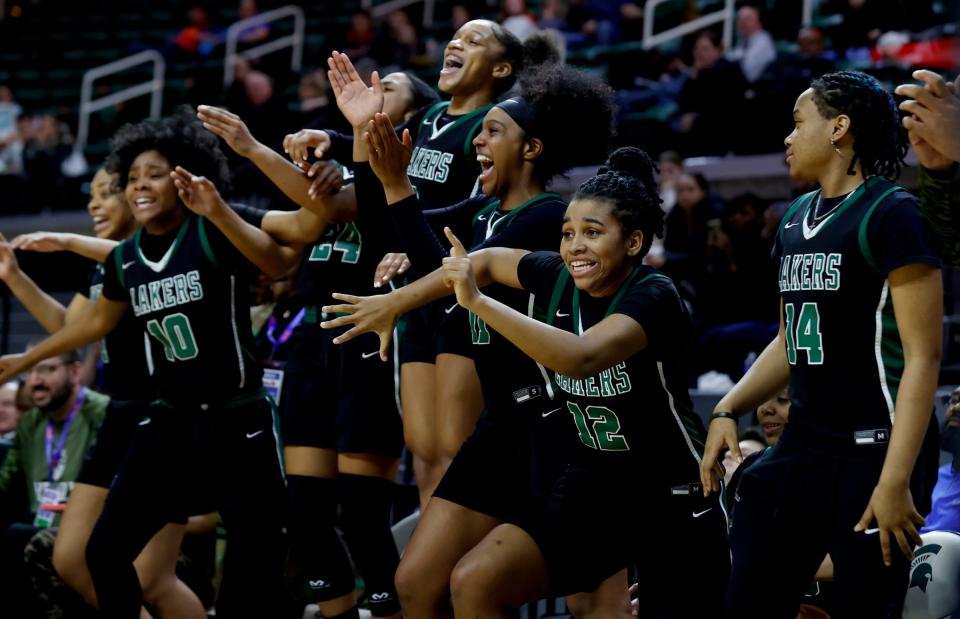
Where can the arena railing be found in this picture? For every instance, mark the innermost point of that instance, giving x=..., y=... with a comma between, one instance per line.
x=724, y=15
x=153, y=87
x=294, y=40
x=379, y=10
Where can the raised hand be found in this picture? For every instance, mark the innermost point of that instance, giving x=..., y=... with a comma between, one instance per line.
x=356, y=101
x=934, y=118
x=458, y=272
x=391, y=266
x=197, y=193
x=375, y=314
x=721, y=433
x=892, y=507
x=389, y=155
x=299, y=145
x=11, y=366
x=8, y=261
x=40, y=242
x=229, y=127
x=327, y=179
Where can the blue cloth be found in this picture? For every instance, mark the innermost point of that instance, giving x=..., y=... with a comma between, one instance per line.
x=945, y=514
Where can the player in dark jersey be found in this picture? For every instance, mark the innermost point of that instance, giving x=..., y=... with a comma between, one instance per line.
x=441, y=401
x=211, y=432
x=128, y=383
x=859, y=343
x=519, y=153
x=620, y=377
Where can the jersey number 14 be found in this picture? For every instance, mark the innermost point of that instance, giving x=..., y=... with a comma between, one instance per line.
x=176, y=336
x=803, y=332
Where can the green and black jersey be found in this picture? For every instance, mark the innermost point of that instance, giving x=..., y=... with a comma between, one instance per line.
x=189, y=292
x=843, y=346
x=640, y=404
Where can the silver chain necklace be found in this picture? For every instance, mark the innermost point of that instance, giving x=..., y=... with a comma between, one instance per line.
x=818, y=216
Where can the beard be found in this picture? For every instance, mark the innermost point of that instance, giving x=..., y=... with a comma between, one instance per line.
x=58, y=398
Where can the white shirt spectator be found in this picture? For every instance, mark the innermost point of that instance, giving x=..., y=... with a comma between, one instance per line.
x=755, y=49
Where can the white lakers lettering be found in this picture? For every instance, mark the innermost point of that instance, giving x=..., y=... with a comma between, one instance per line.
x=165, y=293
x=610, y=382
x=816, y=271
x=433, y=165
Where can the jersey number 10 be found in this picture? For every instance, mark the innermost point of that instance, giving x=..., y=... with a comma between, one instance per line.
x=176, y=336
x=803, y=333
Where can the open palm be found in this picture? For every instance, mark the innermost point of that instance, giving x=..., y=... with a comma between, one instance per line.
x=356, y=101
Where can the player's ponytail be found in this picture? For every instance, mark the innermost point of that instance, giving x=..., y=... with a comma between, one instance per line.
x=538, y=50
x=627, y=182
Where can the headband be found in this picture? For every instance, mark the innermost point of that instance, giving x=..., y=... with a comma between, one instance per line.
x=521, y=112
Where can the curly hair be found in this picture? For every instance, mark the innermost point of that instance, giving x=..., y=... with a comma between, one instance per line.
x=182, y=141
x=879, y=140
x=537, y=50
x=559, y=93
x=627, y=182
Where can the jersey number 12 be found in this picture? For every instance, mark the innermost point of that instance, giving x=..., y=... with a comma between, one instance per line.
x=176, y=336
x=803, y=332
x=599, y=428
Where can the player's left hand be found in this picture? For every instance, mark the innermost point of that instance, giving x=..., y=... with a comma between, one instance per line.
x=891, y=505
x=934, y=113
x=11, y=366
x=389, y=155
x=229, y=127
x=197, y=192
x=40, y=241
x=374, y=314
x=458, y=272
x=8, y=261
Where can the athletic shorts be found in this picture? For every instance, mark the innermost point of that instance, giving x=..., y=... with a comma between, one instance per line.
x=441, y=327
x=340, y=397
x=490, y=472
x=103, y=458
x=590, y=527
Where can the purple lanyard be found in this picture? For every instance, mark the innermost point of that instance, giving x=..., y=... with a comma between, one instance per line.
x=287, y=331
x=54, y=455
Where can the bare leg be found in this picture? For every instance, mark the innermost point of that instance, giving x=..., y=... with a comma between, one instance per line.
x=609, y=601
x=459, y=403
x=417, y=386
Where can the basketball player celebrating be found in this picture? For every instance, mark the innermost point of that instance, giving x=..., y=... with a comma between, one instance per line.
x=211, y=433
x=859, y=343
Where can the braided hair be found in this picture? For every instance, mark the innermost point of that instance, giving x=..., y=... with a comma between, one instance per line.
x=627, y=182
x=879, y=140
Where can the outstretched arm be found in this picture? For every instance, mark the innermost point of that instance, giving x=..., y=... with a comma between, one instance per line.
x=201, y=197
x=99, y=319
x=44, y=308
x=87, y=246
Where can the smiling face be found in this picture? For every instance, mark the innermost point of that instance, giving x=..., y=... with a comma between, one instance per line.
x=112, y=218
x=773, y=415
x=472, y=60
x=500, y=152
x=597, y=251
x=151, y=194
x=808, y=146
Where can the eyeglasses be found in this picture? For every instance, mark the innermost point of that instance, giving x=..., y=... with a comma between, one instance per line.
x=46, y=369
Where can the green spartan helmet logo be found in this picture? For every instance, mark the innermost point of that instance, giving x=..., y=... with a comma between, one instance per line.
x=921, y=573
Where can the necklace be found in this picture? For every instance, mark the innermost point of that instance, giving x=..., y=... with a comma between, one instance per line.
x=818, y=216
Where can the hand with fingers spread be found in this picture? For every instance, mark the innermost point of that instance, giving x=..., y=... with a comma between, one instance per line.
x=891, y=505
x=391, y=266
x=300, y=145
x=327, y=179
x=375, y=314
x=721, y=433
x=934, y=118
x=8, y=260
x=389, y=155
x=40, y=242
x=458, y=272
x=356, y=101
x=197, y=193
x=228, y=127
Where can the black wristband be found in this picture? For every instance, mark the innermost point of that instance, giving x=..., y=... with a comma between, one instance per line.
x=723, y=415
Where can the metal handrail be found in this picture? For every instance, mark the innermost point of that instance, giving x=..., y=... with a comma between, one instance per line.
x=154, y=87
x=294, y=40
x=392, y=5
x=725, y=15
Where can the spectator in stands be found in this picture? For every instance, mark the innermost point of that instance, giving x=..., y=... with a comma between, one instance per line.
x=9, y=112
x=812, y=58
x=252, y=34
x=517, y=18
x=197, y=38
x=360, y=35
x=46, y=456
x=934, y=130
x=945, y=514
x=313, y=92
x=396, y=42
x=711, y=96
x=670, y=168
x=755, y=49
x=9, y=413
x=687, y=226
x=43, y=156
x=11, y=146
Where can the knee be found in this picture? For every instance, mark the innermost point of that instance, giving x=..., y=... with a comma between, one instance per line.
x=155, y=587
x=418, y=588
x=580, y=604
x=471, y=586
x=421, y=444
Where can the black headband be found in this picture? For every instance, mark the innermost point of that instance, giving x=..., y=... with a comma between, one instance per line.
x=521, y=112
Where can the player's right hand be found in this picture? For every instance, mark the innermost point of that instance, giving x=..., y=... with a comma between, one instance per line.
x=229, y=127
x=11, y=366
x=300, y=145
x=327, y=179
x=721, y=433
x=374, y=314
x=393, y=264
x=389, y=155
x=40, y=241
x=8, y=261
x=356, y=101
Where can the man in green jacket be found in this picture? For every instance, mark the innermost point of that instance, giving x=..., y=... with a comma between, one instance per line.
x=45, y=459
